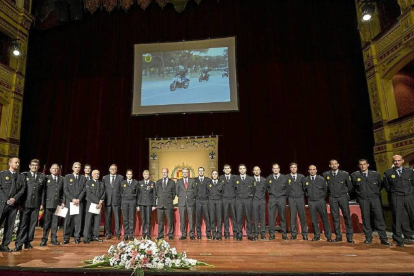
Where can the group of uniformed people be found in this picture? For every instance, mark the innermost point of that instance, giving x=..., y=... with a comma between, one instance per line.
x=218, y=200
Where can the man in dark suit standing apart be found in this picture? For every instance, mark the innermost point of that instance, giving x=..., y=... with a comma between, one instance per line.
x=215, y=205
x=399, y=184
x=12, y=187
x=185, y=190
x=296, y=202
x=112, y=183
x=244, y=201
x=316, y=189
x=277, y=185
x=229, y=201
x=129, y=194
x=95, y=193
x=52, y=197
x=259, y=205
x=32, y=203
x=165, y=194
x=202, y=183
x=74, y=190
x=368, y=185
x=339, y=187
x=146, y=202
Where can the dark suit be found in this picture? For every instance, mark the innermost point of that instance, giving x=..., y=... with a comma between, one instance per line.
x=401, y=191
x=368, y=190
x=31, y=201
x=84, y=211
x=316, y=191
x=277, y=190
x=215, y=207
x=73, y=189
x=95, y=192
x=112, y=202
x=339, y=187
x=11, y=186
x=202, y=204
x=244, y=202
x=186, y=204
x=259, y=207
x=296, y=198
x=146, y=200
x=52, y=197
x=229, y=203
x=165, y=196
x=129, y=194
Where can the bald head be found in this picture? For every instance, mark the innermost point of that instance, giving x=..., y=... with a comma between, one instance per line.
x=398, y=161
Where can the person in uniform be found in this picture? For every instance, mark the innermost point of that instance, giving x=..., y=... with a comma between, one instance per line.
x=146, y=203
x=12, y=187
x=165, y=194
x=95, y=193
x=259, y=205
x=74, y=191
x=244, y=198
x=316, y=189
x=215, y=205
x=399, y=184
x=296, y=199
x=129, y=195
x=339, y=187
x=112, y=183
x=202, y=183
x=229, y=201
x=368, y=185
x=185, y=190
x=277, y=189
x=32, y=203
x=87, y=169
x=52, y=197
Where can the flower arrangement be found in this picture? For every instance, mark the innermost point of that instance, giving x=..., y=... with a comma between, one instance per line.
x=143, y=254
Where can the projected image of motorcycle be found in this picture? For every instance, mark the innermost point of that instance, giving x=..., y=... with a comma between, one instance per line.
x=180, y=80
x=204, y=75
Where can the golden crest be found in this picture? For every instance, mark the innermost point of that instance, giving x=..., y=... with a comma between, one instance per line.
x=124, y=185
x=327, y=178
x=93, y=185
x=359, y=179
x=349, y=178
x=270, y=181
x=27, y=179
x=211, y=185
x=48, y=181
x=7, y=178
x=393, y=176
x=307, y=183
x=255, y=183
x=237, y=182
x=71, y=180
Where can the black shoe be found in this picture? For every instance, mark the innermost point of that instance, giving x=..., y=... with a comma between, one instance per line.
x=285, y=237
x=85, y=241
x=350, y=241
x=96, y=239
x=198, y=237
x=131, y=238
x=293, y=237
x=316, y=239
x=108, y=237
x=330, y=240
x=192, y=238
x=148, y=237
x=408, y=241
x=234, y=237
x=219, y=238
x=118, y=238
x=208, y=237
x=65, y=241
x=250, y=238
x=305, y=238
x=17, y=248
x=384, y=242
x=368, y=241
x=272, y=237
x=263, y=238
x=183, y=238
x=5, y=249
x=170, y=238
x=77, y=241
x=400, y=244
x=126, y=238
x=159, y=238
x=338, y=239
x=28, y=246
x=43, y=243
x=55, y=242
x=227, y=237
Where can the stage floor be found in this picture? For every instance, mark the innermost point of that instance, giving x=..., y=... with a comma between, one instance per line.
x=234, y=257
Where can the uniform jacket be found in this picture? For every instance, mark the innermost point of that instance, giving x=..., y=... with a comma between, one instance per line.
x=201, y=188
x=277, y=187
x=399, y=185
x=244, y=189
x=53, y=192
x=146, y=194
x=74, y=189
x=260, y=188
x=339, y=185
x=215, y=191
x=95, y=191
x=367, y=187
x=317, y=189
x=33, y=196
x=229, y=189
x=129, y=192
x=11, y=187
x=296, y=188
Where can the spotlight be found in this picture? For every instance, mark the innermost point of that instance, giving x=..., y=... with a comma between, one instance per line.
x=368, y=11
x=16, y=48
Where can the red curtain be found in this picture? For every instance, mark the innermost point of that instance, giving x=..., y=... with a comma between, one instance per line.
x=302, y=88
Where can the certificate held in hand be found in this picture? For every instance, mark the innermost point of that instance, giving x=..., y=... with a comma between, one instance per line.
x=61, y=211
x=74, y=209
x=94, y=210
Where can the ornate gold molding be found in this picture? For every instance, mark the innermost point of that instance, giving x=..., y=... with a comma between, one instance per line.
x=110, y=5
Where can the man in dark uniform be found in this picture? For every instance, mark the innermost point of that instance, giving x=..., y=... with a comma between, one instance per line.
x=229, y=201
x=112, y=183
x=202, y=183
x=244, y=202
x=12, y=187
x=215, y=205
x=259, y=205
x=52, y=197
x=277, y=189
x=367, y=185
x=146, y=202
x=296, y=200
x=95, y=193
x=185, y=190
x=399, y=184
x=165, y=194
x=129, y=194
x=339, y=186
x=32, y=203
x=74, y=191
x=316, y=189
x=87, y=169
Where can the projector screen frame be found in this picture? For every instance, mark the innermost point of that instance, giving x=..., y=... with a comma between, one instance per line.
x=140, y=49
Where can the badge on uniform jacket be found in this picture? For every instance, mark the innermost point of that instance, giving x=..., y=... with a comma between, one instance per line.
x=307, y=183
x=255, y=183
x=359, y=179
x=7, y=178
x=393, y=176
x=71, y=180
x=349, y=178
x=93, y=185
x=237, y=182
x=327, y=178
x=211, y=185
x=290, y=181
x=270, y=181
x=27, y=179
x=124, y=185
x=48, y=181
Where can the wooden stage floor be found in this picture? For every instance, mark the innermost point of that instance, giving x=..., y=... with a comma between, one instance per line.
x=232, y=257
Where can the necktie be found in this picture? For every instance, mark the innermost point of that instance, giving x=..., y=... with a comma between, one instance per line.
x=129, y=182
x=399, y=172
x=186, y=183
x=146, y=182
x=277, y=177
x=334, y=174
x=201, y=179
x=365, y=174
x=294, y=178
x=312, y=178
x=112, y=181
x=257, y=179
x=215, y=182
x=227, y=177
x=54, y=178
x=242, y=178
x=164, y=183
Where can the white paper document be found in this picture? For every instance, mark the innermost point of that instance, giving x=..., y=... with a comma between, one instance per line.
x=74, y=209
x=93, y=210
x=61, y=211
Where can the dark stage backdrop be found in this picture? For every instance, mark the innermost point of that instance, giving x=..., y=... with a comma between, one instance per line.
x=302, y=87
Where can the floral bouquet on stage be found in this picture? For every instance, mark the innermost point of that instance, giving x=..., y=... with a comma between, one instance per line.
x=143, y=254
